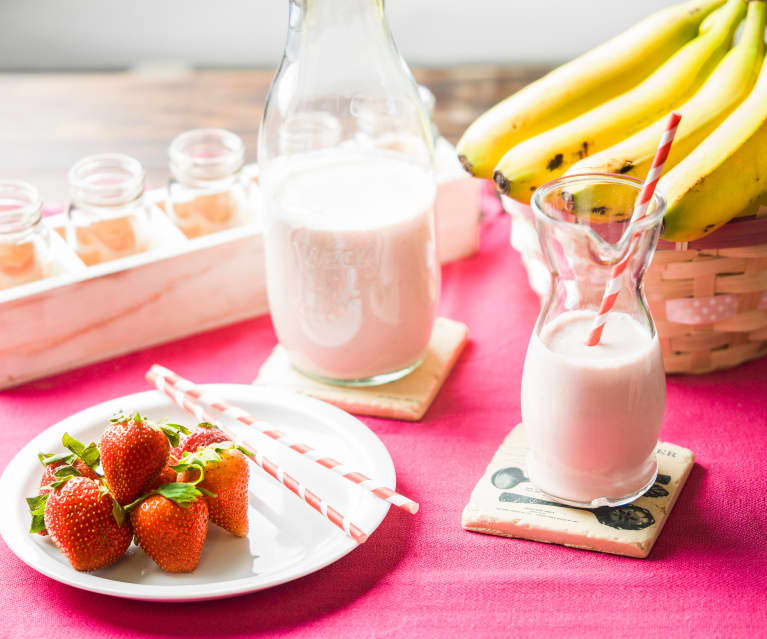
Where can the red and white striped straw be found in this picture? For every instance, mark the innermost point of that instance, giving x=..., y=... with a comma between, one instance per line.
x=640, y=211
x=326, y=461
x=273, y=469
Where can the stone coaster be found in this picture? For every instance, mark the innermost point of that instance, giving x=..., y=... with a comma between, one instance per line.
x=505, y=503
x=408, y=398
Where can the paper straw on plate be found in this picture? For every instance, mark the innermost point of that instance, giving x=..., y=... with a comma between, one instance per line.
x=210, y=399
x=640, y=211
x=273, y=469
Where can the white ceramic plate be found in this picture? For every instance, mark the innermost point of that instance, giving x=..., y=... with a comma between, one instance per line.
x=287, y=539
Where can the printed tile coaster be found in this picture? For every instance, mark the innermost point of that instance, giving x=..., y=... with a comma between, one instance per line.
x=505, y=503
x=408, y=398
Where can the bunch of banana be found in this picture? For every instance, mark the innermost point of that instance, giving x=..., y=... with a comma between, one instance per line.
x=724, y=175
x=725, y=88
x=548, y=155
x=582, y=84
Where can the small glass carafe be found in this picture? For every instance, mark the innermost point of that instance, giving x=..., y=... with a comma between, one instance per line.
x=206, y=192
x=592, y=414
x=25, y=241
x=107, y=216
x=345, y=159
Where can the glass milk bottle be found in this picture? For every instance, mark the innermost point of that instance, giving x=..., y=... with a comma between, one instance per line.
x=345, y=154
x=107, y=217
x=25, y=241
x=206, y=193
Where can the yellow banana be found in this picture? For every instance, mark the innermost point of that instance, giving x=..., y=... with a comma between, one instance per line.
x=574, y=88
x=709, y=20
x=724, y=175
x=724, y=89
x=548, y=155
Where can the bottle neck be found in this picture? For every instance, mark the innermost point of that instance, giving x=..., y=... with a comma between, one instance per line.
x=338, y=9
x=342, y=81
x=20, y=208
x=350, y=26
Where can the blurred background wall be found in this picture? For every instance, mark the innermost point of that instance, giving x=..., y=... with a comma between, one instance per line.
x=115, y=34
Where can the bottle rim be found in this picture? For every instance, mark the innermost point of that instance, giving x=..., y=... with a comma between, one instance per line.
x=205, y=155
x=106, y=179
x=20, y=206
x=543, y=213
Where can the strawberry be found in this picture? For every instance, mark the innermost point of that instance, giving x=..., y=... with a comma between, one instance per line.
x=84, y=521
x=221, y=469
x=171, y=525
x=70, y=464
x=134, y=452
x=167, y=475
x=200, y=436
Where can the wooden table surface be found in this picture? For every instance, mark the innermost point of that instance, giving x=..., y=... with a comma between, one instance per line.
x=48, y=122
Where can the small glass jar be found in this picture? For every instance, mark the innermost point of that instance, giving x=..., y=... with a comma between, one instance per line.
x=25, y=242
x=206, y=193
x=107, y=217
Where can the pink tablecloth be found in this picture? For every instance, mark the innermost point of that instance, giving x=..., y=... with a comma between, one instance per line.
x=424, y=575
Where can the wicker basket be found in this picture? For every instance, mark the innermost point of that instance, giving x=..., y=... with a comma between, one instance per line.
x=708, y=297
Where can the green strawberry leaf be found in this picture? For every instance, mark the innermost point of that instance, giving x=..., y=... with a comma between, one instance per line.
x=89, y=454
x=66, y=471
x=179, y=492
x=72, y=444
x=38, y=524
x=122, y=416
x=128, y=507
x=119, y=513
x=172, y=432
x=182, y=493
x=103, y=488
x=242, y=449
x=37, y=510
x=51, y=458
x=207, y=455
x=178, y=427
x=37, y=504
x=204, y=491
x=180, y=468
x=63, y=474
x=118, y=416
x=206, y=425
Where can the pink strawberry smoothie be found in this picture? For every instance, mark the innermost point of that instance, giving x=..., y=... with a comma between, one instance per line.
x=351, y=264
x=592, y=413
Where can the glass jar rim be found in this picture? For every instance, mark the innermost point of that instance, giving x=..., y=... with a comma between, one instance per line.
x=83, y=188
x=651, y=219
x=28, y=208
x=187, y=166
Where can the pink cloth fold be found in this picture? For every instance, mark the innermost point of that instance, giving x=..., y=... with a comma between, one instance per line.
x=423, y=575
